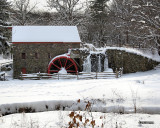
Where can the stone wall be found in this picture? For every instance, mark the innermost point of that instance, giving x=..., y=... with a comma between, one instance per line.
x=130, y=62
x=33, y=64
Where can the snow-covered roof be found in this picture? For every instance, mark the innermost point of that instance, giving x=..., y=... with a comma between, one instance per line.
x=45, y=34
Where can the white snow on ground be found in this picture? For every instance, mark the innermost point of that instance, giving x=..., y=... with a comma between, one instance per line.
x=142, y=86
x=60, y=119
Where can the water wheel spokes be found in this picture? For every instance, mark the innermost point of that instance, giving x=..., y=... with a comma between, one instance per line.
x=62, y=62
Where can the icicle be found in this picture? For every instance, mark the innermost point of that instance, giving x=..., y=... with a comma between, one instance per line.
x=106, y=63
x=99, y=63
x=87, y=65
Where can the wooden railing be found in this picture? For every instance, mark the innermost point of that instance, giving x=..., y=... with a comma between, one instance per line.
x=119, y=72
x=78, y=76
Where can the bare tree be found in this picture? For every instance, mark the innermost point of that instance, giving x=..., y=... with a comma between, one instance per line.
x=22, y=10
x=67, y=10
x=148, y=13
x=123, y=27
x=135, y=23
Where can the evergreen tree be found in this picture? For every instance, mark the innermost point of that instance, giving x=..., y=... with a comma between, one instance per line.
x=4, y=16
x=99, y=16
x=98, y=8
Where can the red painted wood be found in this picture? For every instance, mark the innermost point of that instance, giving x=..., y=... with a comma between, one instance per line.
x=45, y=42
x=64, y=65
x=56, y=66
x=60, y=62
x=53, y=70
x=71, y=71
x=69, y=66
x=10, y=27
x=23, y=70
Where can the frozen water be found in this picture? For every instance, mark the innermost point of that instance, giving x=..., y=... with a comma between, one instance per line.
x=106, y=63
x=87, y=65
x=99, y=63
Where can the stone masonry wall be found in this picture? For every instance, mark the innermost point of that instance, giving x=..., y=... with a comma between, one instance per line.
x=33, y=64
x=130, y=62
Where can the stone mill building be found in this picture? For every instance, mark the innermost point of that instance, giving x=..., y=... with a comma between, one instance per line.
x=43, y=49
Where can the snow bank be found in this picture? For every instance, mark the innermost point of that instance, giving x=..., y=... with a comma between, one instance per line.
x=70, y=105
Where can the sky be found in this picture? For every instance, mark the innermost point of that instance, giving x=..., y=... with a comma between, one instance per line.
x=41, y=4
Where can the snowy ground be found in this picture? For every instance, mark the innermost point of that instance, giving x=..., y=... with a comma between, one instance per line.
x=58, y=119
x=137, y=89
x=107, y=95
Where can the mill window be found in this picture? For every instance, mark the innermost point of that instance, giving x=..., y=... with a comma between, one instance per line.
x=23, y=55
x=49, y=55
x=36, y=55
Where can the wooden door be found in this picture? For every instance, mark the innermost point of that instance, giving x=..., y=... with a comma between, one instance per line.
x=23, y=70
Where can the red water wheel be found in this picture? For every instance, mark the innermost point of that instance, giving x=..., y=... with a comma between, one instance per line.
x=62, y=63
